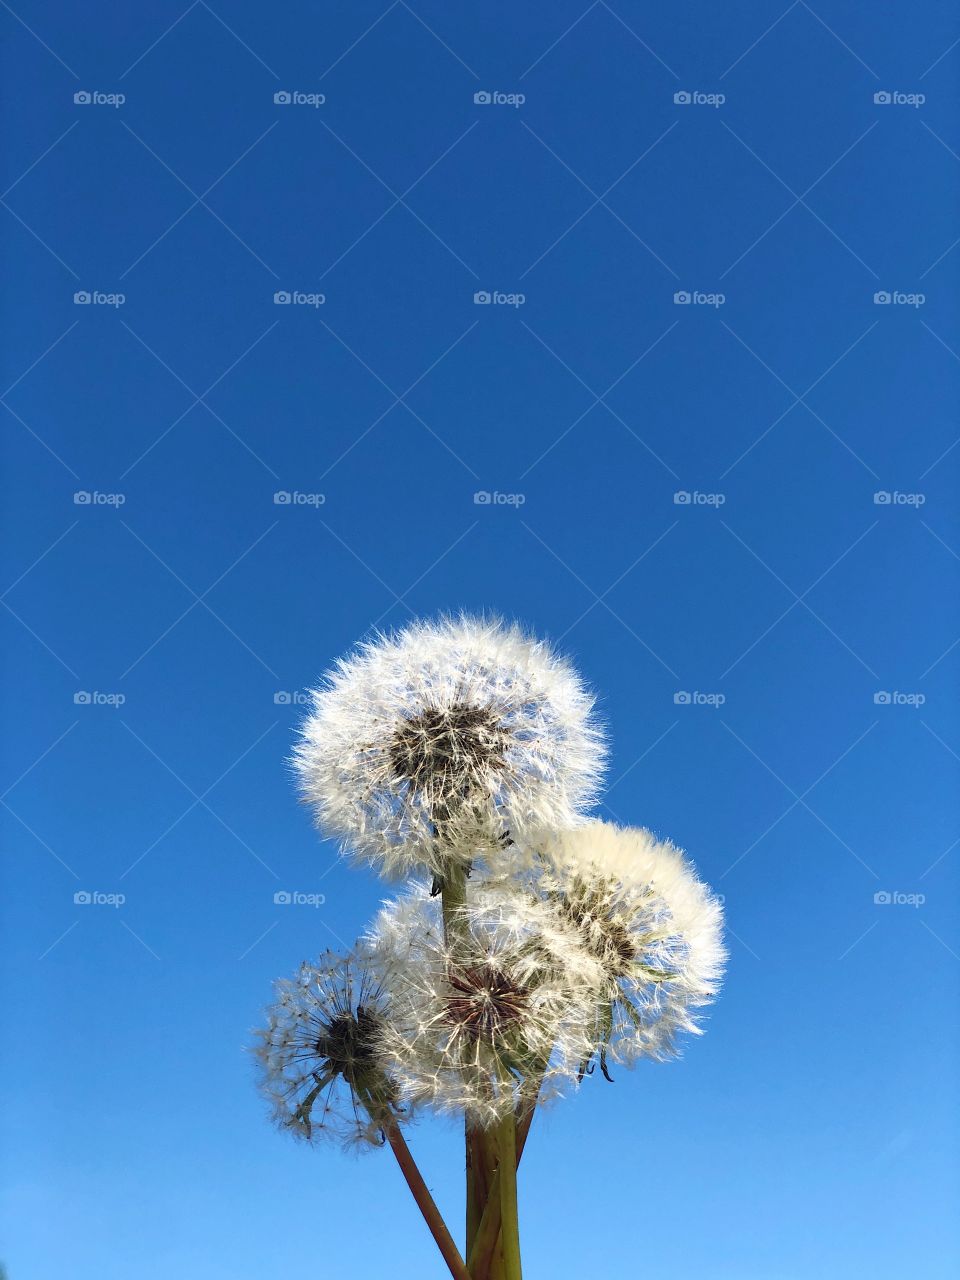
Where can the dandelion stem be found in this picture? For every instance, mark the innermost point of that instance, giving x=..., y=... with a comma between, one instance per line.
x=454, y=897
x=425, y=1201
x=488, y=1233
x=478, y=1179
x=494, y=1248
x=509, y=1215
x=481, y=1253
x=453, y=900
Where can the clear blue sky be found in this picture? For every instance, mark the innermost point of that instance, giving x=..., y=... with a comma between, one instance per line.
x=813, y=1131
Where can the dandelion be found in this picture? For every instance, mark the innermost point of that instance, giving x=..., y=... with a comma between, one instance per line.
x=491, y=1015
x=653, y=927
x=318, y=1052
x=546, y=944
x=319, y=1056
x=447, y=742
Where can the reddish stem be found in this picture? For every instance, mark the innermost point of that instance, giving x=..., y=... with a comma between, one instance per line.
x=425, y=1201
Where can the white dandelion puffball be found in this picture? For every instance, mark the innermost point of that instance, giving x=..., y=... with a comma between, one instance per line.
x=318, y=1054
x=448, y=740
x=499, y=1014
x=653, y=926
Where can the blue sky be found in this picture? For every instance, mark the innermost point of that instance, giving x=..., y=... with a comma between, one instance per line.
x=774, y=656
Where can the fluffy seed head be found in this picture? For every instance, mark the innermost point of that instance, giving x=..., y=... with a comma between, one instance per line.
x=318, y=1054
x=652, y=926
x=483, y=1013
x=448, y=741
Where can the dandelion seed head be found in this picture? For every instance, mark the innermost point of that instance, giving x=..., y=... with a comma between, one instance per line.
x=448, y=741
x=484, y=1012
x=319, y=1052
x=652, y=926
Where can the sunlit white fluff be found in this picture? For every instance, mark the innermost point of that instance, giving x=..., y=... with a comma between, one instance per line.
x=653, y=926
x=318, y=1051
x=497, y=1011
x=448, y=740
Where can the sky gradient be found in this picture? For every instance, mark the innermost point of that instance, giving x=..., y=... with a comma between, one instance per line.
x=702, y=435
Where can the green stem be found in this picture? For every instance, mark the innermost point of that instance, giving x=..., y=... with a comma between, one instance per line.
x=454, y=896
x=481, y=1253
x=476, y=1181
x=509, y=1213
x=497, y=1271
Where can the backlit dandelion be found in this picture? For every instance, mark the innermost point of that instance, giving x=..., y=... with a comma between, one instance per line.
x=652, y=925
x=318, y=1051
x=497, y=1011
x=447, y=741
x=532, y=944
